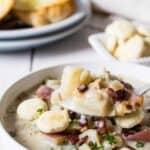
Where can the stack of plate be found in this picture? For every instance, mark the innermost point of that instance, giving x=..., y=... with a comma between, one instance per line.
x=20, y=39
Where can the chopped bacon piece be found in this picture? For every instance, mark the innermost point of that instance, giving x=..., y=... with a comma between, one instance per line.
x=143, y=135
x=119, y=95
x=136, y=100
x=73, y=138
x=101, y=126
x=44, y=92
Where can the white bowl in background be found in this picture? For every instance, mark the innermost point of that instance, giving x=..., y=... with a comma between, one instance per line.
x=97, y=42
x=139, y=73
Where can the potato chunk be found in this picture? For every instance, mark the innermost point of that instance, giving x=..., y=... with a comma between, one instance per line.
x=53, y=121
x=30, y=109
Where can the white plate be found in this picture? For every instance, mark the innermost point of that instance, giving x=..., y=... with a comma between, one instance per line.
x=97, y=42
x=83, y=9
x=23, y=44
x=139, y=73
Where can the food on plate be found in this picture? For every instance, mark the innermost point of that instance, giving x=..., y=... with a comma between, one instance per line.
x=44, y=14
x=5, y=7
x=81, y=111
x=125, y=41
x=36, y=13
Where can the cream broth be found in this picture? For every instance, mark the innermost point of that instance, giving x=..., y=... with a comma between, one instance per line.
x=27, y=134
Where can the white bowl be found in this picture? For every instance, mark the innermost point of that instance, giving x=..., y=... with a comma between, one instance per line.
x=97, y=42
x=139, y=73
x=83, y=10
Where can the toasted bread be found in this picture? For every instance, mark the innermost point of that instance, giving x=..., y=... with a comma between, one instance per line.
x=48, y=14
x=5, y=7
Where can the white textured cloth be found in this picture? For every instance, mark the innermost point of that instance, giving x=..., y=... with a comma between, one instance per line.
x=134, y=9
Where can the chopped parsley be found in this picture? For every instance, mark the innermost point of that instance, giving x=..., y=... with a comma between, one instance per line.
x=110, y=138
x=95, y=146
x=40, y=110
x=51, y=148
x=139, y=144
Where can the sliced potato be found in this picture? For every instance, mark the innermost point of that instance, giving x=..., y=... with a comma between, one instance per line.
x=56, y=98
x=90, y=105
x=70, y=80
x=5, y=7
x=53, y=121
x=130, y=120
x=132, y=49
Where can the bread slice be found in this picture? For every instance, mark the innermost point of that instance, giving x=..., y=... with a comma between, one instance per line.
x=55, y=12
x=5, y=7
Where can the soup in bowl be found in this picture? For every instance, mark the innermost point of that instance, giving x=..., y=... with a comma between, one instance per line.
x=77, y=107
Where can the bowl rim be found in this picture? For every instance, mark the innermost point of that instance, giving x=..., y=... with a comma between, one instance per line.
x=83, y=10
x=3, y=131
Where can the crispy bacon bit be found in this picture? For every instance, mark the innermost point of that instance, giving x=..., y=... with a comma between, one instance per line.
x=112, y=93
x=73, y=139
x=83, y=121
x=122, y=95
x=82, y=88
x=74, y=115
x=44, y=92
x=129, y=107
x=140, y=136
x=118, y=95
x=101, y=126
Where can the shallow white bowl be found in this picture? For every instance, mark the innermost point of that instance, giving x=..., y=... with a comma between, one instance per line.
x=83, y=10
x=97, y=42
x=139, y=73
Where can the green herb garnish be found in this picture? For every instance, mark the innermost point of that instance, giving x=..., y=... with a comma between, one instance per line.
x=40, y=110
x=110, y=138
x=139, y=144
x=95, y=146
